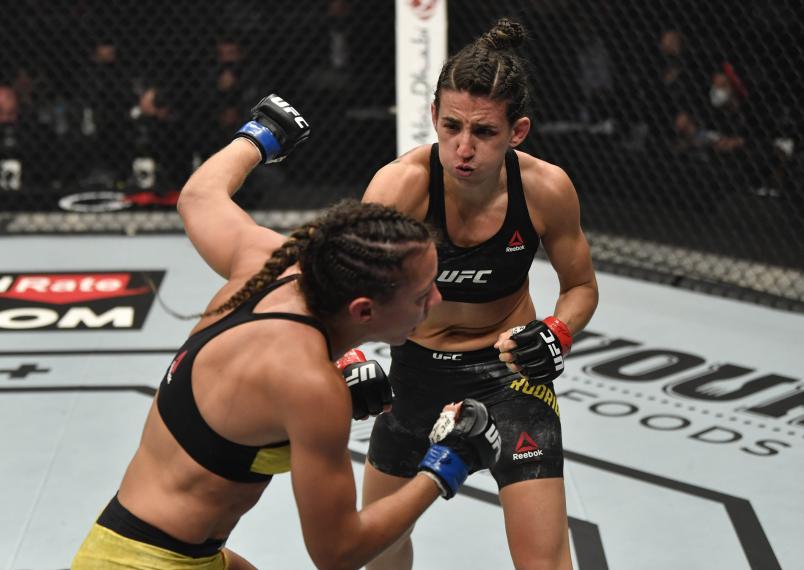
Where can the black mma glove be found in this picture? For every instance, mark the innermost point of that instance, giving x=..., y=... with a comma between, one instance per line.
x=276, y=128
x=464, y=439
x=540, y=349
x=369, y=386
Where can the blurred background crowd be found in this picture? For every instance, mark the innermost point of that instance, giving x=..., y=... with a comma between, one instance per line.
x=136, y=94
x=680, y=121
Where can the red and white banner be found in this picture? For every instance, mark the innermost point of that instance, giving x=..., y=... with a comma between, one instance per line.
x=76, y=300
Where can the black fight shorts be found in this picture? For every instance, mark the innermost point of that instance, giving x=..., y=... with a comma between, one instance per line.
x=424, y=380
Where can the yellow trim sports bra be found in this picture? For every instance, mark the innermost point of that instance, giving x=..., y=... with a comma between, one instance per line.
x=178, y=409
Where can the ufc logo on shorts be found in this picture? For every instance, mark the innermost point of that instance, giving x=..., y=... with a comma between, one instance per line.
x=361, y=373
x=447, y=356
x=473, y=275
x=555, y=349
x=285, y=106
x=493, y=437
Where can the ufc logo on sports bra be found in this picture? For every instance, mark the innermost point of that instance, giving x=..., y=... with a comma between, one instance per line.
x=285, y=106
x=473, y=275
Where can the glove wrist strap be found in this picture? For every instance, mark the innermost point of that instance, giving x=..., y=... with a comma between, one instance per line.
x=562, y=332
x=265, y=139
x=448, y=466
x=352, y=356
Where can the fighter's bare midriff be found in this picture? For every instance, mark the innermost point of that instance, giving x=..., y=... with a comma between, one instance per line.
x=165, y=487
x=459, y=327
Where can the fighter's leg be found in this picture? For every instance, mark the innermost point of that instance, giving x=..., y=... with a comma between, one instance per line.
x=536, y=524
x=530, y=476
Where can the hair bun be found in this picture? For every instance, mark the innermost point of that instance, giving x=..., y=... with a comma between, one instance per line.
x=506, y=34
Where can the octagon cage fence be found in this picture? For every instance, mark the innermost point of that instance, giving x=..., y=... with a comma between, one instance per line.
x=679, y=121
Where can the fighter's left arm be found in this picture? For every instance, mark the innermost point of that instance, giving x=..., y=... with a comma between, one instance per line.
x=555, y=202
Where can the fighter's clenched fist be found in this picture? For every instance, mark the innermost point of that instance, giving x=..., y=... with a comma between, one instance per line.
x=275, y=128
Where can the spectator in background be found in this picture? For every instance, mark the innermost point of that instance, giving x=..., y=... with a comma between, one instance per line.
x=333, y=72
x=338, y=12
x=52, y=131
x=230, y=88
x=768, y=128
x=23, y=145
x=159, y=160
x=671, y=47
x=733, y=117
x=108, y=96
x=728, y=98
x=232, y=75
x=785, y=169
x=595, y=72
x=673, y=87
x=693, y=140
x=10, y=151
x=674, y=73
x=9, y=105
x=24, y=84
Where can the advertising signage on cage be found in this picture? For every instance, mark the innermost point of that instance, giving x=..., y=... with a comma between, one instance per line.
x=87, y=300
x=421, y=48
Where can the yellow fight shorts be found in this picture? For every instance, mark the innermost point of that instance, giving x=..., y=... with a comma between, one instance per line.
x=104, y=549
x=119, y=540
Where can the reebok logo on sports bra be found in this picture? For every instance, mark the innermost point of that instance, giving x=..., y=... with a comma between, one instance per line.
x=516, y=243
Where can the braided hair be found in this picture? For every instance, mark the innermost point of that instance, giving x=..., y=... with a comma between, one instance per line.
x=491, y=67
x=351, y=250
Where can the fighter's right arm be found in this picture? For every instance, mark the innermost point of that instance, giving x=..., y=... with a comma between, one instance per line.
x=222, y=232
x=215, y=224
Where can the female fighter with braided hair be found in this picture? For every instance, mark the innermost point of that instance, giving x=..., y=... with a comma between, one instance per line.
x=493, y=206
x=254, y=392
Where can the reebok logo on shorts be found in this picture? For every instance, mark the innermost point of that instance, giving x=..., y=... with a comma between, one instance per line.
x=526, y=448
x=516, y=243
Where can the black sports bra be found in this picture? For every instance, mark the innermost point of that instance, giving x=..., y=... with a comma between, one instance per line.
x=498, y=266
x=178, y=409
